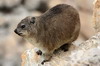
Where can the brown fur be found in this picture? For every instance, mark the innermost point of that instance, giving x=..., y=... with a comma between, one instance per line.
x=57, y=26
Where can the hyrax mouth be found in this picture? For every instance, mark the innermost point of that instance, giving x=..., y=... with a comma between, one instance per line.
x=18, y=32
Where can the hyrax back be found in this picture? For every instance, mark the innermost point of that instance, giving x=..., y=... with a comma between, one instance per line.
x=59, y=25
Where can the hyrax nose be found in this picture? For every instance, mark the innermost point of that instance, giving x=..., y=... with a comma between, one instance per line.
x=16, y=31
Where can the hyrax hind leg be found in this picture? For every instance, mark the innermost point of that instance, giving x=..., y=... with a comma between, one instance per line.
x=45, y=56
x=66, y=46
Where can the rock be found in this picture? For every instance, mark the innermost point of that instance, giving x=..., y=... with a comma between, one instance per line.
x=86, y=54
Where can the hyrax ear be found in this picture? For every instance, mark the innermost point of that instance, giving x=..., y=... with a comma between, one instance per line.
x=32, y=20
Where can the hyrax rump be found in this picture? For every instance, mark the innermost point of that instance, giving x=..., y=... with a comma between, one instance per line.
x=51, y=30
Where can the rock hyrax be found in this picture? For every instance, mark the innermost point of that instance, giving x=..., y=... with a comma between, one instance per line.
x=51, y=30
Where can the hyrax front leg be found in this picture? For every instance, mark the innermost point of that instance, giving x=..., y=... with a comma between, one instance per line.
x=46, y=56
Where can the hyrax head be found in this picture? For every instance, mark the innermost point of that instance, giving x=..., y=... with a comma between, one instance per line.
x=25, y=26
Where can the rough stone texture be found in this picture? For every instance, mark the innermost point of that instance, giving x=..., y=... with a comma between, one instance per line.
x=85, y=54
x=97, y=15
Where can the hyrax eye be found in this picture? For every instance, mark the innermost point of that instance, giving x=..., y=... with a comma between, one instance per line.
x=23, y=26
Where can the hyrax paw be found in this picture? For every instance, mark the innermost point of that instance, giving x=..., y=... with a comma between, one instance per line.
x=47, y=59
x=44, y=61
x=39, y=52
x=65, y=47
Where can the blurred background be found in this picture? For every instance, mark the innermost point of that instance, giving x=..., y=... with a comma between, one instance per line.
x=13, y=11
